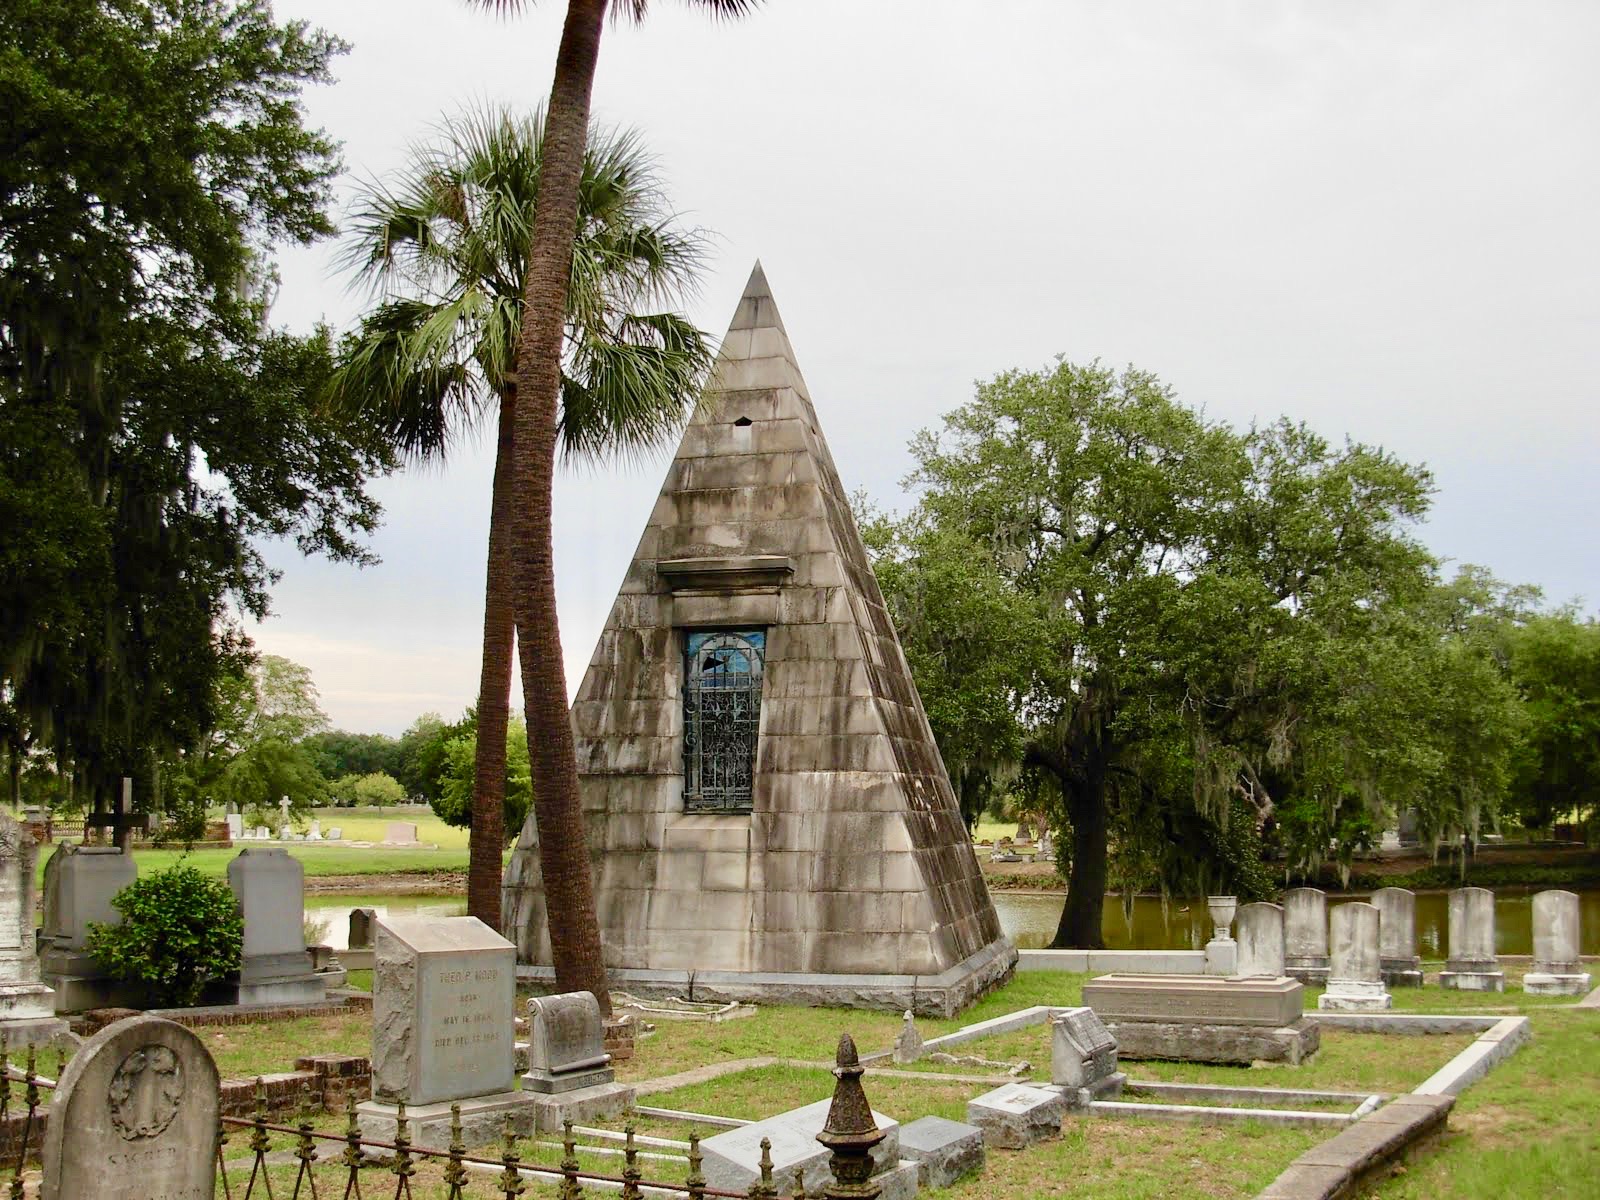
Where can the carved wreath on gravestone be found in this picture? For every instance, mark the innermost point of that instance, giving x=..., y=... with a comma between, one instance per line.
x=145, y=1092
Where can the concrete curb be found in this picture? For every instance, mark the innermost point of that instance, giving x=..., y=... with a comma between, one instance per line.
x=1126, y=962
x=1404, y=1023
x=1477, y=1060
x=1338, y=1165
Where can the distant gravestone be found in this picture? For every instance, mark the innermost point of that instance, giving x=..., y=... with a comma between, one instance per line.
x=1397, y=937
x=908, y=1046
x=1305, y=935
x=362, y=922
x=1083, y=1057
x=270, y=888
x=1557, y=969
x=27, y=1006
x=235, y=826
x=400, y=833
x=443, y=1015
x=1261, y=947
x=1472, y=965
x=134, y=1117
x=1355, y=980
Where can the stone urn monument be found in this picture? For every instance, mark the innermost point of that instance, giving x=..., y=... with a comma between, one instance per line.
x=1222, y=952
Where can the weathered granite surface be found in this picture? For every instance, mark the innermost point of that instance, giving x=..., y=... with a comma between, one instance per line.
x=943, y=1150
x=1016, y=1115
x=1261, y=944
x=732, y=1158
x=1557, y=966
x=855, y=861
x=1189, y=1041
x=1188, y=998
x=1472, y=965
x=566, y=1044
x=1083, y=1054
x=134, y=1117
x=79, y=884
x=1355, y=982
x=276, y=969
x=1399, y=962
x=1305, y=934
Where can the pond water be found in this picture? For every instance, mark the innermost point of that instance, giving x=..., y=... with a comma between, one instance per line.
x=1030, y=921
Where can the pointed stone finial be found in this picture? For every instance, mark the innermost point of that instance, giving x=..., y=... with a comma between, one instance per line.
x=757, y=309
x=850, y=1131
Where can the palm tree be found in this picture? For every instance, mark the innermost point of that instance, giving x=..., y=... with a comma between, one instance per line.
x=446, y=248
x=563, y=852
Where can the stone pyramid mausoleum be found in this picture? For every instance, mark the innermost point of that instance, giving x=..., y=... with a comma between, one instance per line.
x=767, y=811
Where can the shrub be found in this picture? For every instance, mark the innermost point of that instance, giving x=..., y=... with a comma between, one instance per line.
x=179, y=931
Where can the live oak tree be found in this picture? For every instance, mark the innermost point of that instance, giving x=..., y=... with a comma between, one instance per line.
x=154, y=428
x=1183, y=631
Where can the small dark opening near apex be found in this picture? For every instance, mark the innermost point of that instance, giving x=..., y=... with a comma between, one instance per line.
x=742, y=422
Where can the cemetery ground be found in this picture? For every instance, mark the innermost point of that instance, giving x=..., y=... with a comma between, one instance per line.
x=1528, y=1129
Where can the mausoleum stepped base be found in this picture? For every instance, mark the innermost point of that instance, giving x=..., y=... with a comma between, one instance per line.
x=942, y=995
x=581, y=1106
x=1355, y=995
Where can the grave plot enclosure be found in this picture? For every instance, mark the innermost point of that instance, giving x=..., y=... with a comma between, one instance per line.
x=767, y=811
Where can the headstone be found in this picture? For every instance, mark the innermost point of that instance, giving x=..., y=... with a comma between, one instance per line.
x=1557, y=967
x=134, y=1117
x=732, y=1160
x=400, y=833
x=270, y=888
x=1390, y=840
x=235, y=826
x=443, y=1016
x=1260, y=941
x=1473, y=965
x=1016, y=1115
x=335, y=833
x=569, y=1070
x=1083, y=1057
x=314, y=834
x=1355, y=980
x=1222, y=952
x=362, y=922
x=943, y=1150
x=1196, y=1018
x=1305, y=935
x=263, y=834
x=27, y=1006
x=80, y=883
x=908, y=1042
x=1397, y=937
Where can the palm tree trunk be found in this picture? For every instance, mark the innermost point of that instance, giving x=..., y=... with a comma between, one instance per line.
x=563, y=850
x=488, y=837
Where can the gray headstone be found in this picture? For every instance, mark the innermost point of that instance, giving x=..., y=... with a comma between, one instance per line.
x=1261, y=946
x=1015, y=1115
x=566, y=1044
x=943, y=1150
x=1305, y=934
x=270, y=887
x=81, y=882
x=1397, y=922
x=1082, y=1050
x=443, y=1010
x=733, y=1159
x=908, y=1042
x=1355, y=981
x=1471, y=912
x=362, y=921
x=1555, y=933
x=134, y=1117
x=235, y=825
x=400, y=833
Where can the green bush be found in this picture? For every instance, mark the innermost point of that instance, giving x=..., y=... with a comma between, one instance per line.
x=179, y=931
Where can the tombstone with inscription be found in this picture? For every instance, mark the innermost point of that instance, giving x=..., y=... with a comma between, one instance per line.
x=1355, y=981
x=79, y=885
x=270, y=888
x=1305, y=935
x=1083, y=1058
x=400, y=833
x=27, y=1006
x=1197, y=1018
x=443, y=1014
x=1397, y=937
x=134, y=1117
x=1557, y=968
x=1473, y=965
x=1260, y=941
x=567, y=1062
x=1016, y=1115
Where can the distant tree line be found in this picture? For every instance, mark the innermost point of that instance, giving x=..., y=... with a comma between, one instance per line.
x=1193, y=646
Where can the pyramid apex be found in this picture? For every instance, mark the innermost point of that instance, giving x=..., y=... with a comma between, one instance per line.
x=757, y=309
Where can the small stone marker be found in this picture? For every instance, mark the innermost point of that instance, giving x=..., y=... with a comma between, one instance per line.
x=1355, y=983
x=314, y=834
x=569, y=1072
x=1473, y=965
x=1083, y=1057
x=1305, y=935
x=733, y=1158
x=134, y=1117
x=1016, y=1115
x=400, y=833
x=1397, y=937
x=270, y=887
x=362, y=921
x=1261, y=946
x=943, y=1150
x=443, y=1012
x=908, y=1042
x=1557, y=967
x=27, y=1006
x=79, y=884
x=263, y=834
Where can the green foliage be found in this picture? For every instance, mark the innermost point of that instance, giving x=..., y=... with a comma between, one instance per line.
x=454, y=804
x=1554, y=663
x=339, y=753
x=378, y=790
x=180, y=930
x=155, y=429
x=423, y=752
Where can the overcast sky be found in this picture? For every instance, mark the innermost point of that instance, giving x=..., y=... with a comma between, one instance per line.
x=1381, y=218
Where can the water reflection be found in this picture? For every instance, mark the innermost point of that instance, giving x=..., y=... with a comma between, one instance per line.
x=1030, y=921
x=335, y=910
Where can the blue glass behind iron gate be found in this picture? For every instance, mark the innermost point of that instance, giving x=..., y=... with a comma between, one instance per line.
x=721, y=716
